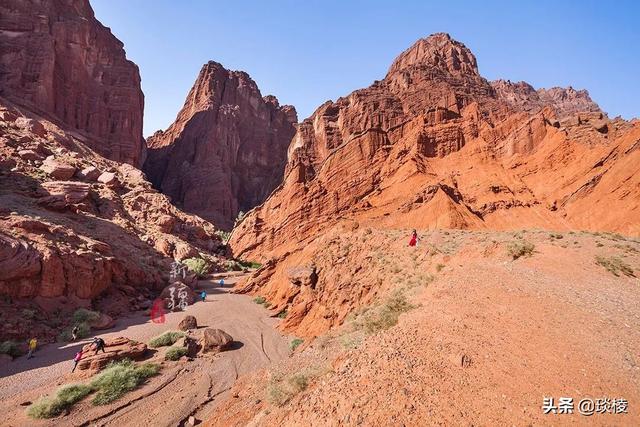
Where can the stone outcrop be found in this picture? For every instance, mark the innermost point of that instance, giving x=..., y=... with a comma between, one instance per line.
x=115, y=349
x=431, y=146
x=565, y=101
x=59, y=61
x=435, y=145
x=75, y=242
x=226, y=151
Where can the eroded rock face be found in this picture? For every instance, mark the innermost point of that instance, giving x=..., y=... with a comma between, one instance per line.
x=226, y=151
x=58, y=60
x=78, y=242
x=435, y=145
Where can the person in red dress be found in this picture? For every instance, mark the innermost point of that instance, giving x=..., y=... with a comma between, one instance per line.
x=414, y=238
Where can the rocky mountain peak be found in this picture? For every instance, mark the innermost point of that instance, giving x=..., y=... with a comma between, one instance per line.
x=437, y=51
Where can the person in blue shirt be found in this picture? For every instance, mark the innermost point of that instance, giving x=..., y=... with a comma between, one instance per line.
x=221, y=283
x=203, y=295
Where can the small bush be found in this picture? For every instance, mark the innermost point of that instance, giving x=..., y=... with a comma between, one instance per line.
x=28, y=313
x=283, y=314
x=168, y=338
x=119, y=378
x=198, y=266
x=175, y=353
x=439, y=267
x=386, y=316
x=295, y=343
x=615, y=265
x=83, y=315
x=65, y=398
x=520, y=248
x=84, y=330
x=259, y=300
x=224, y=235
x=298, y=382
x=556, y=236
x=11, y=348
x=233, y=266
x=276, y=395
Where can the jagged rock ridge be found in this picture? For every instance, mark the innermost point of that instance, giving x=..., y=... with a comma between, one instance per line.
x=226, y=151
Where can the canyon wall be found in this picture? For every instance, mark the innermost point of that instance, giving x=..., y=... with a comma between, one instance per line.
x=226, y=151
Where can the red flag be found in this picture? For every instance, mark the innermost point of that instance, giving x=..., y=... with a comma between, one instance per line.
x=157, y=311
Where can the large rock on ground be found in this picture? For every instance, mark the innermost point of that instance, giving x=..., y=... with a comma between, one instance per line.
x=188, y=322
x=177, y=295
x=103, y=322
x=57, y=169
x=115, y=349
x=215, y=340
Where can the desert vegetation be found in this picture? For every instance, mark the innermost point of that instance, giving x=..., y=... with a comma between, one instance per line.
x=166, y=339
x=520, y=248
x=615, y=265
x=114, y=382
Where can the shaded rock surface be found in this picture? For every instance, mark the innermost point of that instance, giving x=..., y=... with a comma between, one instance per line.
x=57, y=59
x=226, y=151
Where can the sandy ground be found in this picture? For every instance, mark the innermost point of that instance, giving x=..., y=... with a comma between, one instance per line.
x=485, y=343
x=183, y=388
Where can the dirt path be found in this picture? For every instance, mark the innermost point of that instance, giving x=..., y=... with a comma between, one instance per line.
x=183, y=389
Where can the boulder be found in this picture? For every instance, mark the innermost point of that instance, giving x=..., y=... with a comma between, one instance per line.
x=190, y=344
x=184, y=251
x=32, y=126
x=61, y=194
x=89, y=173
x=103, y=322
x=109, y=179
x=177, y=296
x=188, y=322
x=57, y=169
x=29, y=155
x=215, y=340
x=115, y=349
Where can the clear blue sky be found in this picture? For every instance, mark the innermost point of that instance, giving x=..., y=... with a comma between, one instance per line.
x=306, y=52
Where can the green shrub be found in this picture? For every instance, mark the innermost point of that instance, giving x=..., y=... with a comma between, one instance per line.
x=615, y=265
x=197, y=265
x=175, y=353
x=283, y=314
x=295, y=343
x=119, y=378
x=11, y=348
x=224, y=235
x=168, y=338
x=280, y=392
x=520, y=248
x=233, y=265
x=82, y=315
x=65, y=398
x=259, y=300
x=298, y=382
x=84, y=330
x=386, y=316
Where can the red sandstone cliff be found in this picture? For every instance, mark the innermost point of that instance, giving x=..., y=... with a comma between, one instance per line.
x=226, y=151
x=58, y=60
x=435, y=145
